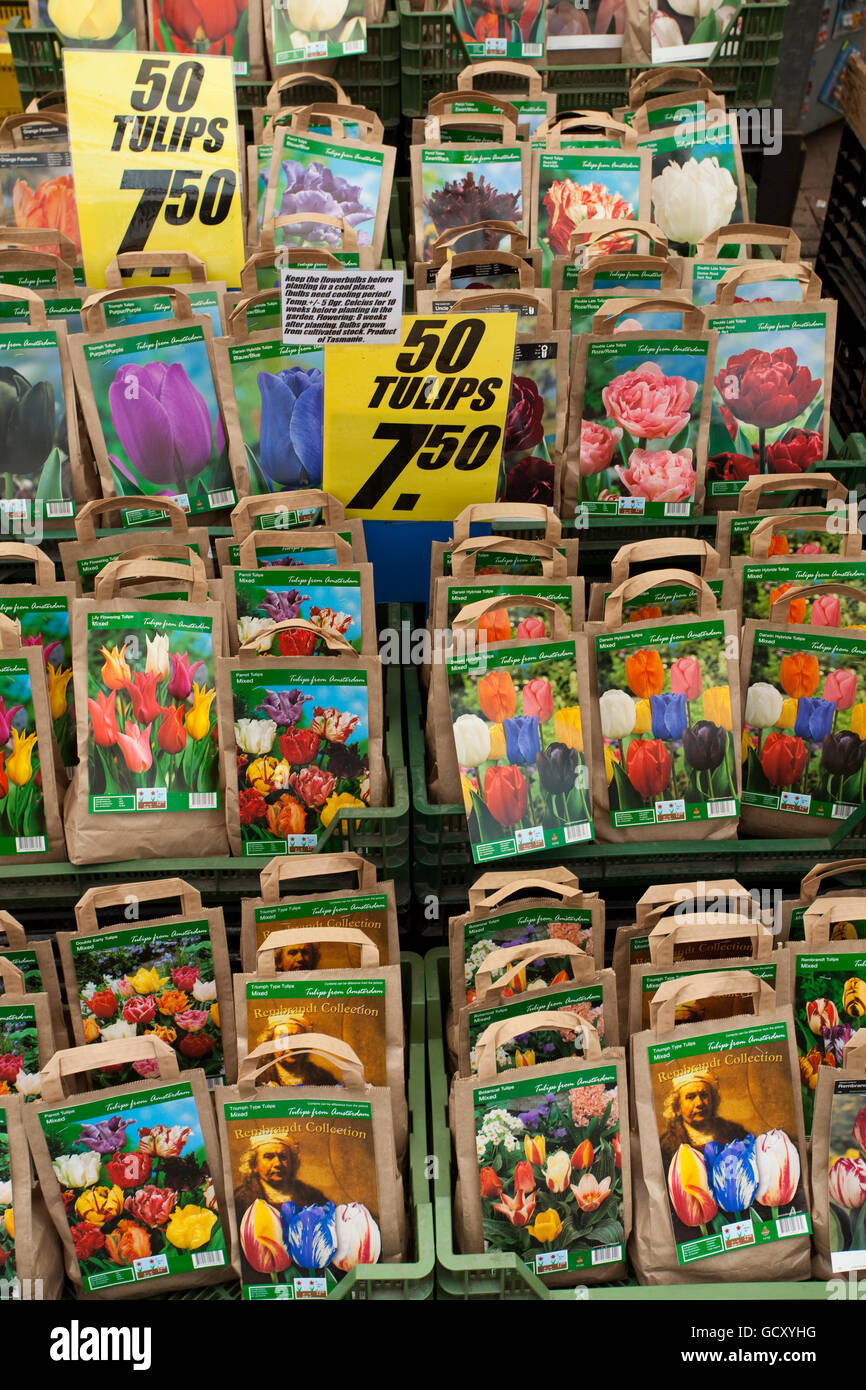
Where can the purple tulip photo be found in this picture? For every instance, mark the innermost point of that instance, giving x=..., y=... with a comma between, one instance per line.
x=163, y=422
x=106, y=1136
x=316, y=189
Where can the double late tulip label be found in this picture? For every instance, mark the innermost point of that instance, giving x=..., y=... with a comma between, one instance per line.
x=154, y=142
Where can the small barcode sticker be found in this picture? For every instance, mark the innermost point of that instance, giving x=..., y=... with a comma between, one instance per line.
x=202, y=801
x=607, y=1254
x=207, y=1259
x=225, y=498
x=532, y=50
x=677, y=509
x=792, y=1226
x=59, y=508
x=842, y=812
x=30, y=844
x=577, y=832
x=355, y=46
x=239, y=69
x=728, y=807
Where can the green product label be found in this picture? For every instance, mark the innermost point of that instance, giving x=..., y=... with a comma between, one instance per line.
x=329, y=599
x=28, y=963
x=520, y=928
x=501, y=562
x=721, y=1006
x=119, y=312
x=93, y=565
x=560, y=594
x=541, y=1045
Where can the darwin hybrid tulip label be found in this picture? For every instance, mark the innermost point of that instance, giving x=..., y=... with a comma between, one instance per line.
x=22, y=807
x=19, y=1050
x=366, y=912
x=329, y=599
x=543, y=1044
x=666, y=722
x=7, y=1224
x=508, y=622
x=35, y=476
x=305, y=1193
x=44, y=620
x=549, y=1160
x=698, y=1011
x=522, y=928
x=515, y=31
x=154, y=141
x=845, y=1179
x=306, y=759
x=764, y=583
x=151, y=742
x=727, y=1126
x=825, y=533
x=829, y=1004
x=808, y=758
x=575, y=185
x=313, y=29
x=136, y=1185
x=150, y=980
x=666, y=601
x=280, y=439
x=501, y=562
x=352, y=1010
x=520, y=794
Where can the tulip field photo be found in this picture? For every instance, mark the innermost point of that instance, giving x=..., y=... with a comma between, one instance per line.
x=90, y=23
x=331, y=601
x=530, y=425
x=641, y=420
x=502, y=929
x=302, y=742
x=804, y=734
x=19, y=1051
x=22, y=809
x=768, y=397
x=335, y=26
x=200, y=26
x=576, y=185
x=765, y=583
x=152, y=722
x=44, y=623
x=34, y=463
x=134, y=1180
x=847, y=1177
x=523, y=774
x=667, y=725
x=37, y=190
x=152, y=981
x=280, y=398
x=7, y=1221
x=550, y=1160
x=305, y=1206
x=829, y=1006
x=463, y=186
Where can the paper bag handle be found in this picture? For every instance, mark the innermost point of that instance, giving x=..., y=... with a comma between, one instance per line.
x=24, y=118
x=532, y=77
x=478, y=512
x=332, y=640
x=298, y=79
x=314, y=866
x=474, y=300
x=624, y=260
x=349, y=239
x=93, y=1056
x=248, y=551
x=334, y=1049
x=750, y=234
x=12, y=977
x=64, y=276
x=639, y=551
x=583, y=965
x=10, y=634
x=597, y=228
x=451, y=234
x=747, y=502
x=104, y=506
x=714, y=984
x=37, y=315
x=673, y=931
x=119, y=894
x=11, y=237
x=154, y=260
x=566, y=891
x=43, y=565
x=605, y=320
x=854, y=1052
x=639, y=584
x=464, y=556
x=506, y=1029
x=813, y=591
x=812, y=881
x=449, y=267
x=754, y=272
x=266, y=962
x=16, y=936
x=671, y=75
x=554, y=128
x=469, y=615
x=118, y=573
x=92, y=310
x=770, y=526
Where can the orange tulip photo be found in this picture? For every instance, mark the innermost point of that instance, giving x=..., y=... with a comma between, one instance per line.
x=36, y=190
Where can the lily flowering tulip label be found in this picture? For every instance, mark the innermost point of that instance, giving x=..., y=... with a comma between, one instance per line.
x=36, y=476
x=769, y=393
x=829, y=1007
x=719, y=1006
x=576, y=185
x=542, y=1045
x=524, y=779
x=134, y=1178
x=641, y=425
x=150, y=980
x=352, y=1010
x=19, y=1051
x=332, y=603
x=501, y=31
x=7, y=1222
x=45, y=623
x=92, y=565
x=666, y=722
x=727, y=1126
x=302, y=743
x=366, y=912
x=305, y=29
x=305, y=1193
x=517, y=929
x=846, y=1181
x=549, y=1158
x=804, y=724
x=22, y=807
x=764, y=583
x=151, y=721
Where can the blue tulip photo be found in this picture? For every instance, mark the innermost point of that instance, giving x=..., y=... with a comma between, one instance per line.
x=733, y=1173
x=814, y=719
x=522, y=742
x=669, y=716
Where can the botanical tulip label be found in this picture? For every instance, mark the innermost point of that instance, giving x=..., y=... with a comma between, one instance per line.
x=514, y=31
x=150, y=981
x=641, y=425
x=35, y=460
x=520, y=795
x=847, y=1177
x=666, y=601
x=462, y=186
x=549, y=1159
x=542, y=1045
x=349, y=1009
x=305, y=29
x=119, y=312
x=763, y=583
x=702, y=1010
x=584, y=308
x=135, y=1182
x=22, y=807
x=528, y=926
x=7, y=1239
x=506, y=623
x=305, y=1192
x=45, y=623
x=707, y=274
x=36, y=185
x=329, y=599
x=502, y=562
x=574, y=186
x=159, y=441
x=851, y=930
x=802, y=541
x=19, y=1050
x=803, y=724
x=349, y=177
x=768, y=396
x=222, y=30
x=829, y=1005
x=365, y=912
x=280, y=400
x=152, y=726
x=727, y=1127
x=666, y=722
x=302, y=743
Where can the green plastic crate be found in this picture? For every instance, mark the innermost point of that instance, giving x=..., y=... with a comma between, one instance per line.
x=499, y=1275
x=37, y=55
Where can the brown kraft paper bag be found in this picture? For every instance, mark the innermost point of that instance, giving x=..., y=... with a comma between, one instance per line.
x=443, y=250
x=586, y=251
x=513, y=514
x=30, y=828
x=32, y=1261
x=794, y=910
x=838, y=1177
x=35, y=960
x=263, y=115
x=42, y=610
x=734, y=530
x=709, y=264
x=83, y=558
x=640, y=551
x=25, y=1022
x=298, y=513
x=329, y=545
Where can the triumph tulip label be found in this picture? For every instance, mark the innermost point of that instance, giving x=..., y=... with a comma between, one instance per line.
x=727, y=1125
x=845, y=1180
x=667, y=724
x=510, y=620
x=154, y=142
x=809, y=757
x=829, y=1006
x=352, y=1010
x=305, y=1191
x=119, y=312
x=723, y=1006
x=414, y=431
x=544, y=1044
x=365, y=912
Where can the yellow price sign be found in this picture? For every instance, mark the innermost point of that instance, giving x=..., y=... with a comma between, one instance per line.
x=413, y=430
x=154, y=143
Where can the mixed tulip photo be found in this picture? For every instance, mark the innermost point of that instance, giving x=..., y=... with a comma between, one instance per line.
x=217, y=27
x=135, y=1185
x=639, y=431
x=516, y=21
x=164, y=988
x=325, y=600
x=19, y=1052
x=91, y=23
x=22, y=807
x=822, y=610
x=829, y=1006
x=553, y=925
x=804, y=731
x=542, y=1045
x=280, y=393
x=34, y=464
x=518, y=737
x=667, y=726
x=45, y=624
x=7, y=1218
x=302, y=748
x=297, y=23
x=846, y=1180
x=320, y=1239
x=756, y=1178
x=460, y=187
x=572, y=190
x=550, y=1172
x=152, y=727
